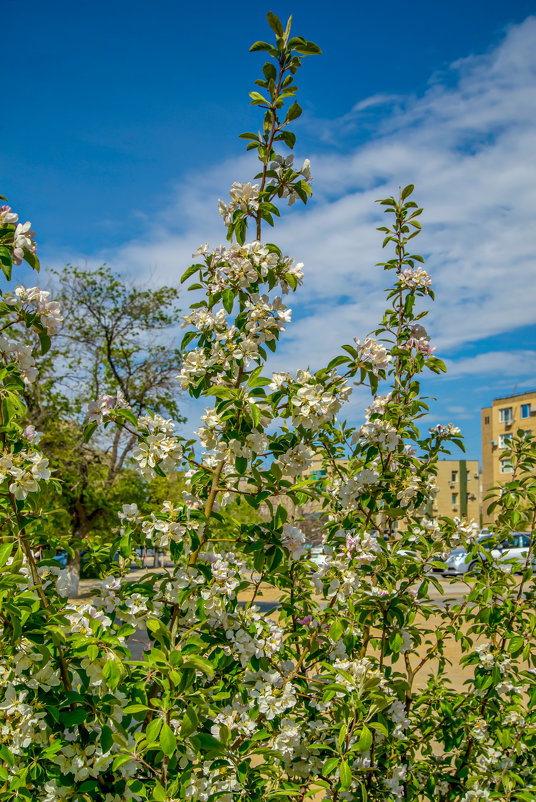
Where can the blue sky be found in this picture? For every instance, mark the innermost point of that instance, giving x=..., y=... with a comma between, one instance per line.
x=121, y=136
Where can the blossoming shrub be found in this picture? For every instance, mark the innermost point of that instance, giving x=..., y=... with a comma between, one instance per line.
x=344, y=691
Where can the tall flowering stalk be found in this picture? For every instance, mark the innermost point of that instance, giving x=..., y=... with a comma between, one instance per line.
x=343, y=691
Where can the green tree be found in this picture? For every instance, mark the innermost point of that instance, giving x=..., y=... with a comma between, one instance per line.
x=108, y=342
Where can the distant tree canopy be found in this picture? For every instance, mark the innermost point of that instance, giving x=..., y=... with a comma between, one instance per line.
x=108, y=343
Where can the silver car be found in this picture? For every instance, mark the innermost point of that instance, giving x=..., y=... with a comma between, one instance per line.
x=514, y=548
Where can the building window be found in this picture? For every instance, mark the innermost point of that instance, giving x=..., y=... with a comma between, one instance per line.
x=486, y=419
x=506, y=466
x=505, y=440
x=505, y=415
x=454, y=499
x=454, y=476
x=525, y=410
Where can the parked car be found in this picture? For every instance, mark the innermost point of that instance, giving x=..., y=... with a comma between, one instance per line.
x=515, y=548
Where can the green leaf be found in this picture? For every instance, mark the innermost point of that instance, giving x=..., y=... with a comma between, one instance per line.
x=189, y=272
x=201, y=664
x=227, y=299
x=342, y=735
x=71, y=718
x=365, y=739
x=307, y=49
x=275, y=24
x=6, y=261
x=44, y=341
x=294, y=112
x=31, y=259
x=281, y=516
x=330, y=765
x=241, y=464
x=126, y=414
x=257, y=99
x=345, y=773
x=189, y=722
x=159, y=794
x=516, y=644
x=336, y=630
x=167, y=740
x=255, y=414
x=406, y=192
x=88, y=430
x=5, y=553
x=111, y=673
x=275, y=470
x=257, y=46
x=106, y=738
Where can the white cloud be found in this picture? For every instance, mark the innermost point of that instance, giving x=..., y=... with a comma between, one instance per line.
x=500, y=363
x=468, y=146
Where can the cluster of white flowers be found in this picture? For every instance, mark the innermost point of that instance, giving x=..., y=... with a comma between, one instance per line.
x=24, y=237
x=104, y=405
x=362, y=546
x=22, y=721
x=395, y=781
x=374, y=353
x=14, y=351
x=480, y=729
x=466, y=531
x=294, y=540
x=378, y=406
x=250, y=634
x=445, y=431
x=354, y=486
x=7, y=217
x=160, y=531
x=159, y=447
x=244, y=197
x=206, y=321
x=236, y=717
x=313, y=404
x=38, y=301
x=82, y=761
x=214, y=780
x=242, y=266
x=397, y=713
x=476, y=793
x=296, y=460
x=415, y=279
x=25, y=470
x=271, y=693
x=419, y=340
x=408, y=493
x=353, y=673
x=279, y=380
x=284, y=167
x=33, y=670
x=265, y=317
x=380, y=433
x=86, y=619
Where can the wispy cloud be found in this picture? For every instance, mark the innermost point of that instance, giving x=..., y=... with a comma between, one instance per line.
x=468, y=145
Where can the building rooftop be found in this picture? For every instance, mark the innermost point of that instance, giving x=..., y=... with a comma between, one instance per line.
x=514, y=395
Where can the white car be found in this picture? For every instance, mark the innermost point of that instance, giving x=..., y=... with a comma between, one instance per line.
x=515, y=548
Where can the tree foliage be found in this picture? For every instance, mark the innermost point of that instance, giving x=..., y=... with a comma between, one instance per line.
x=343, y=692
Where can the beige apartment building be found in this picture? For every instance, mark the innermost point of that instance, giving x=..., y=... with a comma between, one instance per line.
x=458, y=482
x=499, y=422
